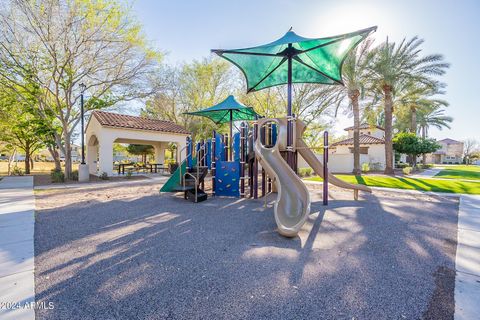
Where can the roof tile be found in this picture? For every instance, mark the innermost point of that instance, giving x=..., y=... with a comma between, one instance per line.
x=364, y=139
x=116, y=120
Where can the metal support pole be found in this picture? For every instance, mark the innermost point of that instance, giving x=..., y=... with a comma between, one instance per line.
x=325, y=168
x=294, y=137
x=212, y=156
x=231, y=138
x=82, y=114
x=264, y=183
x=242, y=159
x=204, y=158
x=226, y=141
x=289, y=109
x=255, y=164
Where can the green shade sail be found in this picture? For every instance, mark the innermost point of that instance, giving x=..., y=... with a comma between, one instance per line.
x=312, y=60
x=227, y=110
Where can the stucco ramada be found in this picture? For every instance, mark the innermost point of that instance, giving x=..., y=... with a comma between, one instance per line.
x=106, y=128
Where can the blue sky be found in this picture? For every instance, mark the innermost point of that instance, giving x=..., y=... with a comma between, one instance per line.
x=187, y=30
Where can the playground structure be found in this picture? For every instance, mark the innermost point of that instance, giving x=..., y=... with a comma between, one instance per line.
x=273, y=144
x=258, y=152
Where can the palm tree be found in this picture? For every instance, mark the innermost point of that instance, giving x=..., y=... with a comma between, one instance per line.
x=433, y=116
x=414, y=97
x=355, y=75
x=393, y=67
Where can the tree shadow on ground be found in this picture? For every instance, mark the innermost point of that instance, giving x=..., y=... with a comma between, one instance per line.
x=163, y=257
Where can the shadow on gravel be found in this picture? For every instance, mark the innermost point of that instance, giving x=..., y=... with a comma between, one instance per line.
x=166, y=258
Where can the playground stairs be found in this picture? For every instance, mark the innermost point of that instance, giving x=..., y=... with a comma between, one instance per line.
x=191, y=177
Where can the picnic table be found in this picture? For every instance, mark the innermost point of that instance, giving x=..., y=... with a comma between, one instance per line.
x=149, y=167
x=155, y=167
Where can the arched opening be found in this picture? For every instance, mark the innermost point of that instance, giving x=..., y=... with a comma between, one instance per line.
x=92, y=154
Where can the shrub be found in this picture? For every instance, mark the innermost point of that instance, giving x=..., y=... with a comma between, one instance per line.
x=128, y=175
x=407, y=170
x=57, y=176
x=426, y=166
x=365, y=167
x=401, y=165
x=17, y=171
x=103, y=176
x=75, y=175
x=305, y=172
x=375, y=166
x=172, y=167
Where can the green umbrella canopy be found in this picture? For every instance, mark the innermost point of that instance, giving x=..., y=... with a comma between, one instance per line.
x=227, y=110
x=312, y=60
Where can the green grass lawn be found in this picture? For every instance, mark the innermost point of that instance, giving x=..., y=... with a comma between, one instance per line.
x=411, y=183
x=460, y=172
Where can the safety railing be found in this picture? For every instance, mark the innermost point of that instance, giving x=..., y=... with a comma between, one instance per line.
x=195, y=178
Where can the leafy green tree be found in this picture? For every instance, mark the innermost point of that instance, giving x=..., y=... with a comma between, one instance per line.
x=21, y=127
x=408, y=143
x=65, y=43
x=140, y=150
x=393, y=66
x=188, y=88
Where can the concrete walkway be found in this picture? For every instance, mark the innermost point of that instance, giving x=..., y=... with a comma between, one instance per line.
x=467, y=281
x=428, y=173
x=17, y=205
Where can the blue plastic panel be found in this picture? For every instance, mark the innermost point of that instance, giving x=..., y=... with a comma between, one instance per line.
x=219, y=148
x=227, y=178
x=236, y=146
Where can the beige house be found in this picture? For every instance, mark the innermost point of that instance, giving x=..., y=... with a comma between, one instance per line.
x=106, y=128
x=372, y=150
x=450, y=153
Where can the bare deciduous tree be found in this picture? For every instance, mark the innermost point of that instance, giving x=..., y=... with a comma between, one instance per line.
x=60, y=44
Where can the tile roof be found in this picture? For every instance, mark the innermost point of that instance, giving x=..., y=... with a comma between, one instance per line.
x=364, y=139
x=116, y=120
x=450, y=141
x=365, y=126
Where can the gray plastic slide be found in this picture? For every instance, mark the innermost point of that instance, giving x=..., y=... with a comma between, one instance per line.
x=317, y=166
x=293, y=200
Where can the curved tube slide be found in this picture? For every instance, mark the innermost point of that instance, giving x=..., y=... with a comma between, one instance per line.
x=293, y=200
x=317, y=166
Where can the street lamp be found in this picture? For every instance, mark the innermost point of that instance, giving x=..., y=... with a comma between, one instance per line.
x=82, y=90
x=83, y=171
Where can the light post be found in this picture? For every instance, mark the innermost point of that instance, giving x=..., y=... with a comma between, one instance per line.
x=83, y=171
x=82, y=90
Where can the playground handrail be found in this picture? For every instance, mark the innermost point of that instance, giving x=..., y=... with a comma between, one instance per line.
x=196, y=182
x=180, y=162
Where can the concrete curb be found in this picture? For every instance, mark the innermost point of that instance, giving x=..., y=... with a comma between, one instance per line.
x=467, y=262
x=17, y=281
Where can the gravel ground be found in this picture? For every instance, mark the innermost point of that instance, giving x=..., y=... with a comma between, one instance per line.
x=128, y=253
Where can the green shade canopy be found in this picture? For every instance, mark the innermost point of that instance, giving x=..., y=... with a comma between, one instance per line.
x=309, y=60
x=227, y=110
